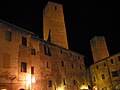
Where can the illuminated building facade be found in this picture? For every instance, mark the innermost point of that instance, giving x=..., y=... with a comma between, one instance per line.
x=105, y=72
x=30, y=63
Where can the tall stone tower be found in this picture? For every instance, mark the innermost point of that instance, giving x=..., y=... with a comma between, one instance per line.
x=99, y=48
x=54, y=29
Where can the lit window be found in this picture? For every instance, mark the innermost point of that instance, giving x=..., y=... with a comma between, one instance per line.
x=8, y=36
x=23, y=67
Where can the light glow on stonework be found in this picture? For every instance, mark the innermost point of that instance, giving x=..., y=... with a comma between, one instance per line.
x=28, y=81
x=95, y=88
x=60, y=88
x=84, y=87
x=33, y=79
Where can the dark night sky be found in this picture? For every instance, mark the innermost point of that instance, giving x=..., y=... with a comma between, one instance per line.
x=83, y=18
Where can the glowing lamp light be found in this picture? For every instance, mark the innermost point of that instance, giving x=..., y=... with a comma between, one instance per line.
x=60, y=88
x=33, y=79
x=28, y=79
x=95, y=88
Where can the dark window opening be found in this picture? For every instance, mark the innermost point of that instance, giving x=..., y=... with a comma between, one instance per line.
x=104, y=64
x=119, y=58
x=23, y=67
x=50, y=83
x=55, y=7
x=8, y=36
x=47, y=64
x=103, y=76
x=32, y=70
x=97, y=66
x=115, y=74
x=24, y=41
x=64, y=81
x=47, y=50
x=72, y=65
x=74, y=82
x=62, y=63
x=33, y=52
x=111, y=61
x=94, y=79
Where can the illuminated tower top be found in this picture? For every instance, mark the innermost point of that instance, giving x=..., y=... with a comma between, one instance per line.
x=54, y=29
x=99, y=48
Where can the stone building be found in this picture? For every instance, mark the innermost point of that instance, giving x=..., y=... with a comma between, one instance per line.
x=30, y=63
x=105, y=72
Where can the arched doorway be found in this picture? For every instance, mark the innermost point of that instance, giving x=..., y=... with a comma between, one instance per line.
x=21, y=89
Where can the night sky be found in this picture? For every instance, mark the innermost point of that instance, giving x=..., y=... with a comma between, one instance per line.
x=83, y=18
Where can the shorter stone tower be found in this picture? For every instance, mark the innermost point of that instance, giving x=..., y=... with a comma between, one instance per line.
x=54, y=29
x=99, y=48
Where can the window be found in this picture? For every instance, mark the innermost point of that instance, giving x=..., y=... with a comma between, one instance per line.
x=62, y=63
x=50, y=83
x=32, y=70
x=94, y=79
x=78, y=57
x=24, y=41
x=61, y=51
x=23, y=67
x=8, y=36
x=33, y=52
x=115, y=74
x=97, y=66
x=74, y=82
x=111, y=61
x=119, y=58
x=47, y=50
x=64, y=81
x=55, y=7
x=47, y=64
x=103, y=76
x=104, y=64
x=72, y=65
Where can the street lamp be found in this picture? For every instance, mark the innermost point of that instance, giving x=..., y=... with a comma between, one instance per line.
x=29, y=80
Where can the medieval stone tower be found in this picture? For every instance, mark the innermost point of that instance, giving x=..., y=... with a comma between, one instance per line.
x=99, y=48
x=54, y=29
